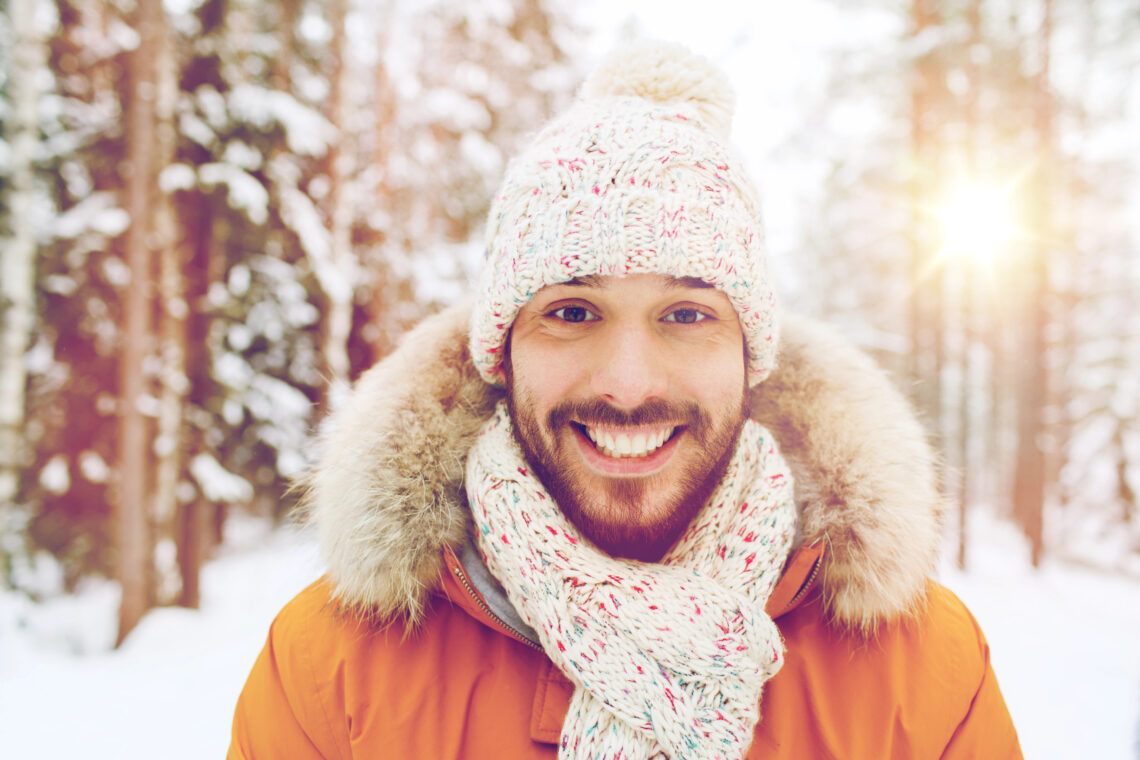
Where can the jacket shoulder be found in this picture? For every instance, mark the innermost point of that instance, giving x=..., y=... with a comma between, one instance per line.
x=920, y=686
x=312, y=612
x=986, y=727
x=329, y=684
x=292, y=704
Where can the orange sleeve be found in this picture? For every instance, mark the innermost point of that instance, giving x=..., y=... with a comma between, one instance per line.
x=987, y=730
x=281, y=711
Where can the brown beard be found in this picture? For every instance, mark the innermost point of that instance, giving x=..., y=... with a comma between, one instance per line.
x=624, y=534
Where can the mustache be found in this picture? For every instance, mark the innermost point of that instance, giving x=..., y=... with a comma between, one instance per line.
x=654, y=411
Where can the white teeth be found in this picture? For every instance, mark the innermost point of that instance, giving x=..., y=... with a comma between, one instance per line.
x=624, y=445
x=606, y=441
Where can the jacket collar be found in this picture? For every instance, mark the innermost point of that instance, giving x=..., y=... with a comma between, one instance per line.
x=387, y=497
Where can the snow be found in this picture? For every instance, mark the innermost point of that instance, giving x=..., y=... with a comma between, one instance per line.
x=193, y=127
x=98, y=212
x=94, y=467
x=174, y=177
x=307, y=132
x=1063, y=643
x=301, y=215
x=245, y=192
x=54, y=477
x=218, y=483
x=171, y=689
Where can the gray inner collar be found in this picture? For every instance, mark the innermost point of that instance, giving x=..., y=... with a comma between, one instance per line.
x=492, y=591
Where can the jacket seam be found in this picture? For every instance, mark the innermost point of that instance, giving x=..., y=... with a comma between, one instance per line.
x=538, y=710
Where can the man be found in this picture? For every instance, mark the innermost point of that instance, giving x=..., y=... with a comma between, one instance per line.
x=590, y=517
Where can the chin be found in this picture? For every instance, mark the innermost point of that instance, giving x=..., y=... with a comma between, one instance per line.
x=625, y=518
x=629, y=508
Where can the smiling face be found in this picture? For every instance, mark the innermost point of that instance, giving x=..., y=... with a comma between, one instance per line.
x=627, y=397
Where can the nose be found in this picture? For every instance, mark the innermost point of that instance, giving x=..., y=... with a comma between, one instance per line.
x=631, y=368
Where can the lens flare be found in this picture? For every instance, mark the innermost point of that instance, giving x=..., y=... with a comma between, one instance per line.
x=978, y=220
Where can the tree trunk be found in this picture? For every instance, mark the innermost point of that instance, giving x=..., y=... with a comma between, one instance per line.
x=281, y=78
x=341, y=159
x=193, y=540
x=17, y=264
x=1124, y=490
x=1029, y=478
x=968, y=306
x=172, y=304
x=925, y=280
x=964, y=427
x=135, y=558
x=379, y=333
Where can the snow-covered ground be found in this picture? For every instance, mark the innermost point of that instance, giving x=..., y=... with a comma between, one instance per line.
x=1065, y=643
x=169, y=692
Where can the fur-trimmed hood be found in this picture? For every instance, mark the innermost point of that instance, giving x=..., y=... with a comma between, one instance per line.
x=387, y=493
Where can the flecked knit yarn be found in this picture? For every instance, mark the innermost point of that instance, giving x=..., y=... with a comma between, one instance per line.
x=636, y=177
x=667, y=658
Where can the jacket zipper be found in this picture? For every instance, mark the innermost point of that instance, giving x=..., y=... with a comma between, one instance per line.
x=807, y=585
x=487, y=610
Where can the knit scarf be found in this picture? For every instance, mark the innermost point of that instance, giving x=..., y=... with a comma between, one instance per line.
x=667, y=658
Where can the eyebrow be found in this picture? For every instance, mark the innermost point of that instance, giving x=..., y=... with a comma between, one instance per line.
x=674, y=283
x=587, y=281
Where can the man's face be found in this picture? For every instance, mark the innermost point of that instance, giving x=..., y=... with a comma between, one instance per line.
x=627, y=397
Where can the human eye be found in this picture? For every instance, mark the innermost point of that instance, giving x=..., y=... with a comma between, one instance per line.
x=573, y=314
x=686, y=316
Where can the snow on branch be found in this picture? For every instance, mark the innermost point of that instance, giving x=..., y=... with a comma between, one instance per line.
x=307, y=132
x=98, y=212
x=246, y=193
x=217, y=483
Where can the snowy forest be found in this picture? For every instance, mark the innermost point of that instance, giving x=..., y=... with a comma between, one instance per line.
x=216, y=213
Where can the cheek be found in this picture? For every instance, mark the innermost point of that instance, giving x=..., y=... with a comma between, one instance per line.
x=715, y=376
x=541, y=375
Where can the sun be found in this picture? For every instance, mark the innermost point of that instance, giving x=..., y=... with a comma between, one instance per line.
x=978, y=221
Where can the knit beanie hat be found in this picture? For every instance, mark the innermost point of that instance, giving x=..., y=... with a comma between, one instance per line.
x=638, y=176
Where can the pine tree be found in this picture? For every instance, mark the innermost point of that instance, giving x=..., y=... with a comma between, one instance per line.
x=17, y=263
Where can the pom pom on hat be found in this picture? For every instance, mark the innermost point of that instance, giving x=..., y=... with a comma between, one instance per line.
x=638, y=176
x=664, y=72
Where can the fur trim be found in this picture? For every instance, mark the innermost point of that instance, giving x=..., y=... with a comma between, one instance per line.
x=387, y=493
x=866, y=477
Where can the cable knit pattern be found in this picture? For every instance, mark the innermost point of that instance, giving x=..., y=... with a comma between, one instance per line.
x=668, y=658
x=637, y=176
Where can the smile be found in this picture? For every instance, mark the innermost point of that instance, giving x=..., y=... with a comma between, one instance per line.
x=619, y=444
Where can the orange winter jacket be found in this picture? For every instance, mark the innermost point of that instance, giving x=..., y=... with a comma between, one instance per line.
x=463, y=686
x=880, y=661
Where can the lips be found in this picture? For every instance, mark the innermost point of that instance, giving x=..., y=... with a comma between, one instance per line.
x=628, y=444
